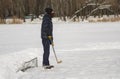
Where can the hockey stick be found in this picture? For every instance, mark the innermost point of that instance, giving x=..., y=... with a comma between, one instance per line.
x=58, y=61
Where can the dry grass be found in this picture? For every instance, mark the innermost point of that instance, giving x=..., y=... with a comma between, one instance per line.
x=2, y=21
x=15, y=20
x=114, y=19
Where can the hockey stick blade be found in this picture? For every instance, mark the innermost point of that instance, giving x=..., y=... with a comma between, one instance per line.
x=59, y=61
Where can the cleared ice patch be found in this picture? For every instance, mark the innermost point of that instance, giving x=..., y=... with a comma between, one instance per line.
x=95, y=46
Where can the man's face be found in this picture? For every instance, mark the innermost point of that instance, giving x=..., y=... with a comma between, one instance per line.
x=52, y=14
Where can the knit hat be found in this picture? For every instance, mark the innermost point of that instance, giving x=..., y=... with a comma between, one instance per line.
x=48, y=10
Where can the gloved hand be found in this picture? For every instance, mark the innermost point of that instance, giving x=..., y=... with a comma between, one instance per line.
x=52, y=43
x=51, y=40
x=50, y=37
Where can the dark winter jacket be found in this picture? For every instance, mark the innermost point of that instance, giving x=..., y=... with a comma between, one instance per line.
x=47, y=26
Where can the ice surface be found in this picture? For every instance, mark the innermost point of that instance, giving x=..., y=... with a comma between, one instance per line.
x=88, y=51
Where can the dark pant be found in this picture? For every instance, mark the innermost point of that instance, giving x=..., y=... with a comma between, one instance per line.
x=46, y=48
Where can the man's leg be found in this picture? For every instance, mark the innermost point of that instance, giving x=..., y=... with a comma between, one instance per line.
x=46, y=47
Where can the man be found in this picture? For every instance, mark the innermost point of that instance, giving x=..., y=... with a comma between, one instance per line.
x=47, y=36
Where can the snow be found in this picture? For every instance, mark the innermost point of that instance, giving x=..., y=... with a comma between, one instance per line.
x=88, y=51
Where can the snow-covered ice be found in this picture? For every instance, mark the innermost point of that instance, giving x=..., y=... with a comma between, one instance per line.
x=88, y=51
